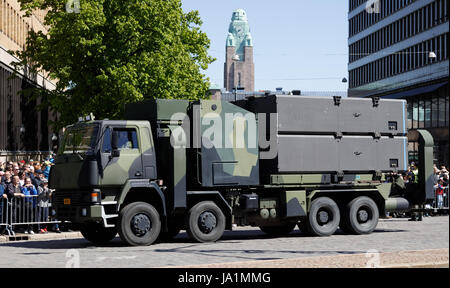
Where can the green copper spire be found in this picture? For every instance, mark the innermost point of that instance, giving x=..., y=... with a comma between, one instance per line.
x=239, y=32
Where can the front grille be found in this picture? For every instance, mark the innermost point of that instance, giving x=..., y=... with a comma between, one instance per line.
x=76, y=197
x=66, y=213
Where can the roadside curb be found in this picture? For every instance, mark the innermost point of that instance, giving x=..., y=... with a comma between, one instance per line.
x=40, y=237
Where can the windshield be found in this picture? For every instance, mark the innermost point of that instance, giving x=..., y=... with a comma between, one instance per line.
x=80, y=138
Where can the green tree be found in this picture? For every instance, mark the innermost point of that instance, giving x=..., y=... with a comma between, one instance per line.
x=111, y=52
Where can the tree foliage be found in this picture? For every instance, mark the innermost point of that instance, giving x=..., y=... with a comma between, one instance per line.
x=114, y=52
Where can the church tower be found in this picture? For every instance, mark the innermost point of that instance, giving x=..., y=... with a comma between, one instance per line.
x=239, y=72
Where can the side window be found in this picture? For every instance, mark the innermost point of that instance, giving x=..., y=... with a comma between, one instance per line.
x=106, y=148
x=127, y=138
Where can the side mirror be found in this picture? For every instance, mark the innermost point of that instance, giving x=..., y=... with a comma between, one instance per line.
x=114, y=145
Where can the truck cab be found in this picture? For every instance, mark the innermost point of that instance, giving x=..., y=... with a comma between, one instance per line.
x=94, y=162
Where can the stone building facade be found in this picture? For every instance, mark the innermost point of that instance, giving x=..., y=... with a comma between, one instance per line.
x=22, y=126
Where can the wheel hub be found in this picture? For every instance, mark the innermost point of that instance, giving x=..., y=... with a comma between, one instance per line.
x=323, y=217
x=207, y=221
x=141, y=224
x=363, y=216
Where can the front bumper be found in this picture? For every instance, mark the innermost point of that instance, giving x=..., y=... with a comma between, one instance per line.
x=79, y=213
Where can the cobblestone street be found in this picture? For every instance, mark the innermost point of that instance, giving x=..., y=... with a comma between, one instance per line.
x=243, y=244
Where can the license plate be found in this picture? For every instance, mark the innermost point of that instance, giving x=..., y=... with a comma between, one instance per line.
x=66, y=201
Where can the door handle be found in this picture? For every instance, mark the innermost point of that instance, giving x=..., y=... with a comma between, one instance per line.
x=138, y=174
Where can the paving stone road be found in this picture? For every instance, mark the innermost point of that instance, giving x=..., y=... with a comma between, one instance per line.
x=243, y=244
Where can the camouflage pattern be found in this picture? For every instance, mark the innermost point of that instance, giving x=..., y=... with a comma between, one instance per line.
x=229, y=145
x=295, y=203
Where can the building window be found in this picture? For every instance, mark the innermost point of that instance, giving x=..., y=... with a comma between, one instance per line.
x=427, y=113
x=442, y=112
x=410, y=114
x=434, y=112
x=415, y=115
x=421, y=114
x=447, y=110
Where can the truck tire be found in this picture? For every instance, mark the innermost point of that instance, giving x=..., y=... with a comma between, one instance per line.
x=139, y=224
x=205, y=222
x=361, y=216
x=97, y=234
x=279, y=230
x=324, y=217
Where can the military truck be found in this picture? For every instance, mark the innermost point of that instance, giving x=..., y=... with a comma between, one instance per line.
x=206, y=166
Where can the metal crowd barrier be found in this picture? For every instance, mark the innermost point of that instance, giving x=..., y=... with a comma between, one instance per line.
x=24, y=212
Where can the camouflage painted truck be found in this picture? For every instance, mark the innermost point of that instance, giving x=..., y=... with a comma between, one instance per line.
x=206, y=166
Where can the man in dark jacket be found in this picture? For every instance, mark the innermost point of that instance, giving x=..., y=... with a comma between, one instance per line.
x=14, y=193
x=3, y=198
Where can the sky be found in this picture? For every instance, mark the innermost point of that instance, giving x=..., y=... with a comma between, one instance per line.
x=298, y=44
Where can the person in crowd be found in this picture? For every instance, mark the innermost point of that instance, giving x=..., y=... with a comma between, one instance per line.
x=30, y=193
x=37, y=166
x=31, y=173
x=3, y=199
x=22, y=176
x=37, y=182
x=16, y=170
x=47, y=167
x=43, y=205
x=7, y=179
x=410, y=174
x=439, y=188
x=14, y=189
x=14, y=193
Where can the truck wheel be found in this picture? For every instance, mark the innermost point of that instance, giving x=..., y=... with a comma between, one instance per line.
x=139, y=224
x=97, y=234
x=361, y=216
x=324, y=217
x=205, y=222
x=279, y=230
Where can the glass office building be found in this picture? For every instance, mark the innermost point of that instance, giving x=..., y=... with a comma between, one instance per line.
x=398, y=49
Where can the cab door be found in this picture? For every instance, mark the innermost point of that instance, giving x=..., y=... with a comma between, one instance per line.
x=117, y=169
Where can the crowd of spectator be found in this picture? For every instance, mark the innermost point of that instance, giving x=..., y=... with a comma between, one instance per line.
x=440, y=185
x=440, y=182
x=26, y=183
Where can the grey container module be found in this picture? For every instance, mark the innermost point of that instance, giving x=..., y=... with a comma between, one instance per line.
x=332, y=134
x=300, y=114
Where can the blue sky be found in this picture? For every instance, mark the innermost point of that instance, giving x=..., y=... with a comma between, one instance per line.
x=298, y=44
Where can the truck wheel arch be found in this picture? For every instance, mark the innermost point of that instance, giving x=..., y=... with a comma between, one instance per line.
x=144, y=191
x=195, y=197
